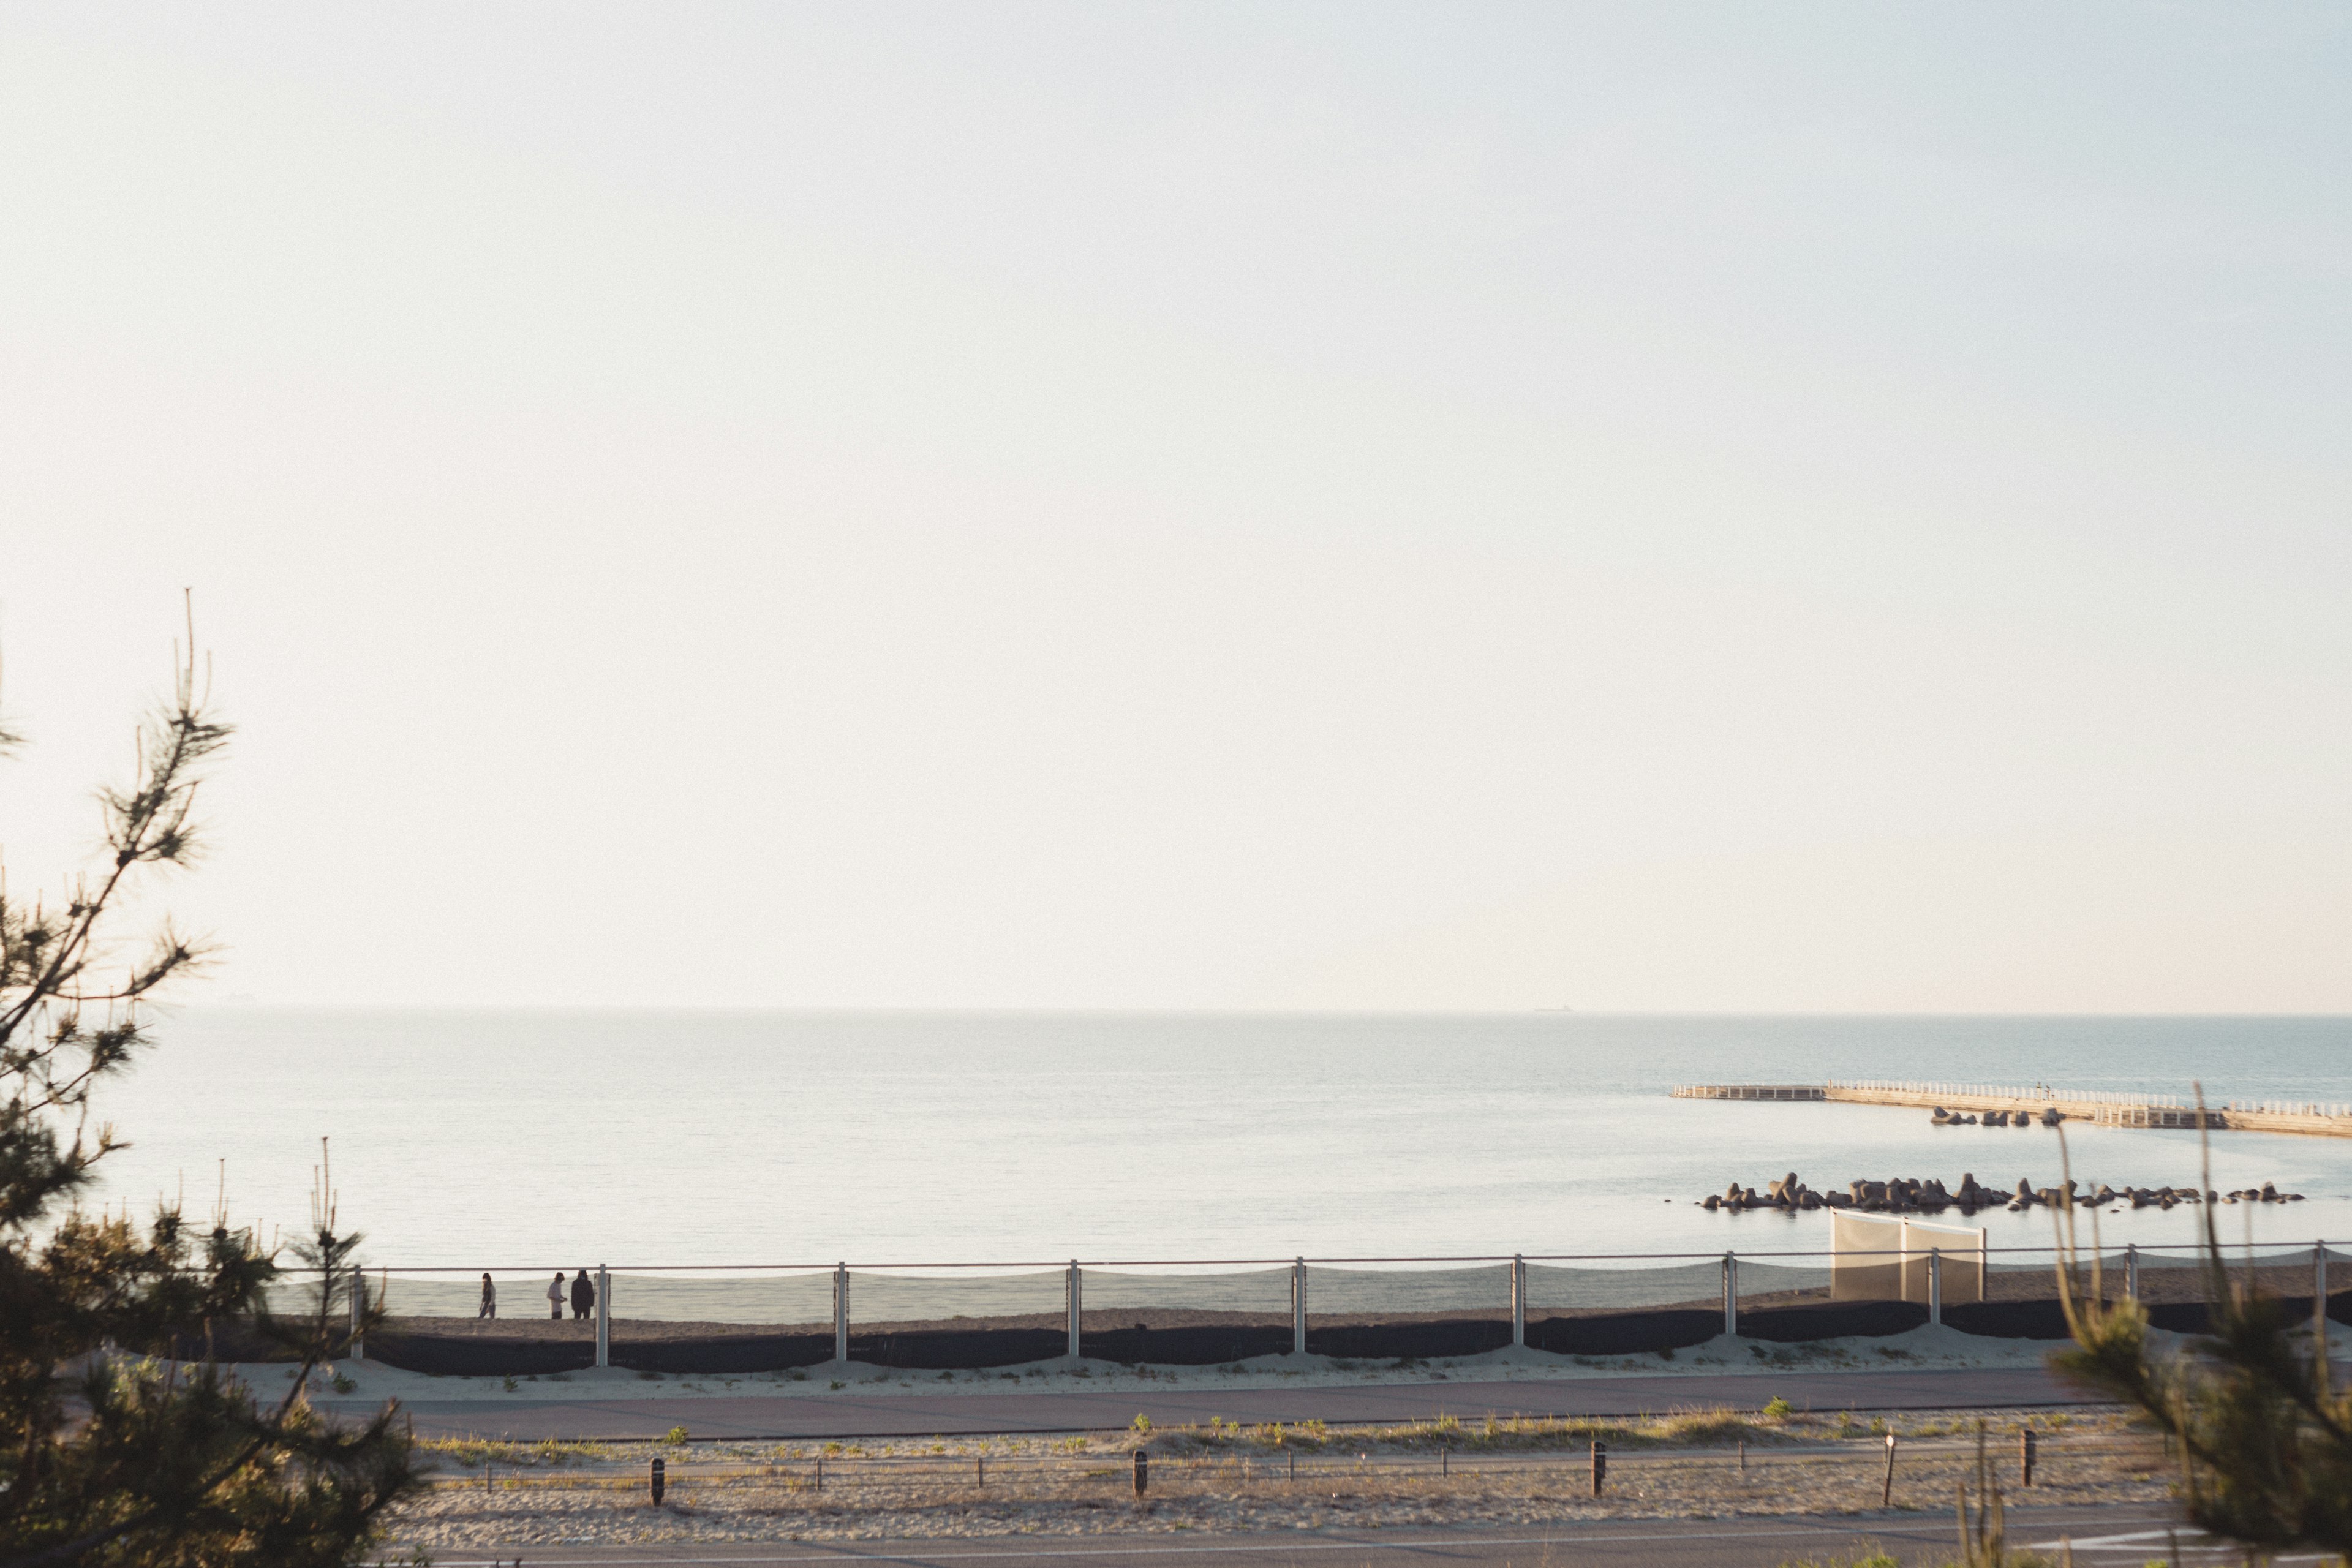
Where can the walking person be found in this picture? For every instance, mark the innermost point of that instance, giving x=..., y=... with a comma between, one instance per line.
x=583, y=1295
x=489, y=1308
x=555, y=1296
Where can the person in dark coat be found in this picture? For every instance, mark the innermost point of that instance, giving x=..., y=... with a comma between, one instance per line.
x=490, y=1300
x=583, y=1295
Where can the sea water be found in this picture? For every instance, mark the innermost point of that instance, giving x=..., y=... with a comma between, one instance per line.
x=533, y=1140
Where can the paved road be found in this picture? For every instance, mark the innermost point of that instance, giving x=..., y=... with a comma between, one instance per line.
x=2115, y=1537
x=786, y=1417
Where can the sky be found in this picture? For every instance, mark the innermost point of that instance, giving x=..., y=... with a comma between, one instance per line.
x=1827, y=507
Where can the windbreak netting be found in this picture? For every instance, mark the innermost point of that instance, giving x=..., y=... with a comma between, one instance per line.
x=1882, y=1257
x=747, y=1295
x=1449, y=1290
x=1028, y=1298
x=1783, y=1281
x=1626, y=1285
x=2169, y=1274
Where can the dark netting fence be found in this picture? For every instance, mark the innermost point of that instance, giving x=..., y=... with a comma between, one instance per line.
x=1880, y=1276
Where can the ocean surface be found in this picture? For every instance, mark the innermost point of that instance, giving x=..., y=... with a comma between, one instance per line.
x=535, y=1140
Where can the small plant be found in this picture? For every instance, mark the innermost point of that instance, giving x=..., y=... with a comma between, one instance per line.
x=837, y=1384
x=510, y=1383
x=947, y=1378
x=648, y=1374
x=799, y=1376
x=342, y=1384
x=675, y=1436
x=1777, y=1409
x=1665, y=1353
x=1143, y=1424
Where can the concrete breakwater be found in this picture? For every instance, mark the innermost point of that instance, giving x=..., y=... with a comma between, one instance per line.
x=2021, y=1105
x=1908, y=1195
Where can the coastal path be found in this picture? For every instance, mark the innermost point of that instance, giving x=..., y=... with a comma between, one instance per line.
x=782, y=1417
x=2123, y=1537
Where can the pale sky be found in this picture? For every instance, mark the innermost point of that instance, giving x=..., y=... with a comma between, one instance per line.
x=1809, y=507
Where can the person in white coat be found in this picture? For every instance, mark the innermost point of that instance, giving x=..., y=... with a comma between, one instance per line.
x=555, y=1296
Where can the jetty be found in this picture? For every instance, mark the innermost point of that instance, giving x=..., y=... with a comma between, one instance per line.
x=2046, y=1104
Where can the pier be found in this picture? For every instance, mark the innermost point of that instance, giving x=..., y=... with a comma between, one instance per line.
x=2040, y=1102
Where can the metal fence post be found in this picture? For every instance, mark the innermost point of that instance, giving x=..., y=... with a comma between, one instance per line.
x=1076, y=1286
x=2319, y=1301
x=1730, y=1293
x=841, y=1311
x=2131, y=1270
x=1518, y=1300
x=1935, y=1286
x=1298, y=1306
x=359, y=1313
x=604, y=1316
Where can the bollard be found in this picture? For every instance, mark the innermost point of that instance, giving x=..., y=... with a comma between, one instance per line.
x=1142, y=1471
x=2025, y=1457
x=1600, y=1465
x=658, y=1481
x=1886, y=1492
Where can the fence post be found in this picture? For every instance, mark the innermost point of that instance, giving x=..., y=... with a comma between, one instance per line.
x=359, y=1313
x=1075, y=1307
x=1518, y=1300
x=1730, y=1293
x=604, y=1316
x=2319, y=1301
x=1935, y=1286
x=2131, y=1270
x=1298, y=1306
x=841, y=1311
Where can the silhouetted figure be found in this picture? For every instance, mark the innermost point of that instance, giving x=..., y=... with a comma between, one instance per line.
x=489, y=1299
x=583, y=1296
x=555, y=1296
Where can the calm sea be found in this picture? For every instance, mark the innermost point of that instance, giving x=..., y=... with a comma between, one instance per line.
x=536, y=1140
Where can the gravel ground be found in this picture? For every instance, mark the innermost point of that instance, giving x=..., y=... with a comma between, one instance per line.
x=1235, y=1478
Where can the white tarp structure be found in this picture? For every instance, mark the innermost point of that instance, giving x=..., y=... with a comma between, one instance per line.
x=1885, y=1257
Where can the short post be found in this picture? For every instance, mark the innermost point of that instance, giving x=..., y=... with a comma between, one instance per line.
x=1142, y=1471
x=1600, y=1465
x=657, y=1479
x=1298, y=1306
x=1886, y=1492
x=2131, y=1270
x=2025, y=1457
x=1730, y=1293
x=1518, y=1300
x=359, y=1314
x=841, y=1311
x=1936, y=1286
x=604, y=1316
x=1076, y=1306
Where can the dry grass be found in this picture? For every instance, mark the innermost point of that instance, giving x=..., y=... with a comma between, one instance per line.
x=1224, y=1477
